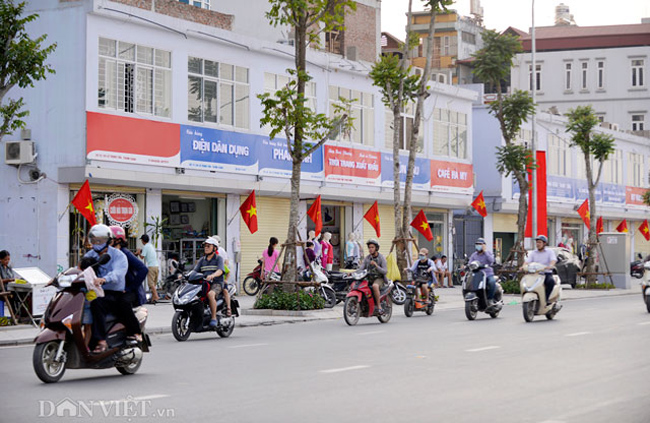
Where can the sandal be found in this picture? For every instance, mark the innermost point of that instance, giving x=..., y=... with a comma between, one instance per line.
x=137, y=337
x=228, y=313
x=100, y=348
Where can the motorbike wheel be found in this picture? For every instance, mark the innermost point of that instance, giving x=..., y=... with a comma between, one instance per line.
x=226, y=332
x=329, y=295
x=43, y=360
x=550, y=315
x=529, y=310
x=251, y=286
x=398, y=295
x=470, y=310
x=494, y=314
x=351, y=311
x=408, y=307
x=430, y=307
x=388, y=311
x=130, y=369
x=181, y=326
x=647, y=303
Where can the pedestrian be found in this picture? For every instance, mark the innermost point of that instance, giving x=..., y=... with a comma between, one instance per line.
x=443, y=271
x=6, y=274
x=436, y=262
x=328, y=251
x=270, y=258
x=148, y=254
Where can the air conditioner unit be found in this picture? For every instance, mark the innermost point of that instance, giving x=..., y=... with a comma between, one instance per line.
x=19, y=152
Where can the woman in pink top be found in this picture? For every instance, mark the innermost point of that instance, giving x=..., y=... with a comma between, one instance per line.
x=270, y=256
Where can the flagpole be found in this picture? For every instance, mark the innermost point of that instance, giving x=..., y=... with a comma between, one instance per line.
x=533, y=79
x=64, y=211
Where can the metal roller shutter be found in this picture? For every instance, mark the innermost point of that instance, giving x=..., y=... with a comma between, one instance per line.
x=387, y=222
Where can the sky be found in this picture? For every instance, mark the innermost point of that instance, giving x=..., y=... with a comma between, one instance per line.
x=500, y=14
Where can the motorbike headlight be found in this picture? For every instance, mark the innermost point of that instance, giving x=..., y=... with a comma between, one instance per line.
x=646, y=265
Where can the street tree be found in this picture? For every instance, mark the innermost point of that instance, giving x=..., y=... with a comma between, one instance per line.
x=287, y=111
x=596, y=149
x=492, y=66
x=22, y=62
x=399, y=86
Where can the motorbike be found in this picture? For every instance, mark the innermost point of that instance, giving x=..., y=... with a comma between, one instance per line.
x=533, y=293
x=415, y=302
x=398, y=293
x=360, y=302
x=637, y=268
x=193, y=310
x=316, y=273
x=645, y=285
x=475, y=292
x=253, y=280
x=172, y=282
x=60, y=345
x=340, y=283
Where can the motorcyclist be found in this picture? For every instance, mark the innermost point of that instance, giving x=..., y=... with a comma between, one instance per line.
x=485, y=257
x=545, y=256
x=111, y=276
x=212, y=267
x=424, y=267
x=377, y=267
x=136, y=272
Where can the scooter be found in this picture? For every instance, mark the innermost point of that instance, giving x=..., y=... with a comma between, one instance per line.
x=360, y=301
x=193, y=310
x=416, y=302
x=339, y=283
x=253, y=280
x=645, y=285
x=398, y=293
x=475, y=287
x=637, y=268
x=533, y=293
x=61, y=345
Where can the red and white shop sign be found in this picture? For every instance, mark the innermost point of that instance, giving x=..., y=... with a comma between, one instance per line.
x=450, y=176
x=343, y=164
x=634, y=196
x=121, y=210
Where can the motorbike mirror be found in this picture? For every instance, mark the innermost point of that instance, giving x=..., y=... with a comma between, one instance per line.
x=639, y=256
x=103, y=259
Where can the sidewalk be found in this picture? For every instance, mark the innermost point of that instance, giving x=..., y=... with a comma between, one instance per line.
x=160, y=315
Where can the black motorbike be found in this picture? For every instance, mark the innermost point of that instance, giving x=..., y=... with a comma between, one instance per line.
x=636, y=267
x=415, y=302
x=475, y=292
x=193, y=310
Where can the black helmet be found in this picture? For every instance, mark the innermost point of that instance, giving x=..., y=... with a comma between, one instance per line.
x=373, y=242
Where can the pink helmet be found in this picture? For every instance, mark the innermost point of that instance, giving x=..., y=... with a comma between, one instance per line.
x=118, y=232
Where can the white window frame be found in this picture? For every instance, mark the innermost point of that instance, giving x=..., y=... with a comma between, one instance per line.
x=408, y=116
x=228, y=112
x=134, y=78
x=638, y=70
x=635, y=172
x=203, y=4
x=600, y=76
x=450, y=133
x=638, y=122
x=273, y=82
x=362, y=111
x=538, y=77
x=584, y=75
x=613, y=168
x=567, y=76
x=559, y=160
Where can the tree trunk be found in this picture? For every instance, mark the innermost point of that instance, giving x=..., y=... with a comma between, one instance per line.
x=592, y=239
x=522, y=213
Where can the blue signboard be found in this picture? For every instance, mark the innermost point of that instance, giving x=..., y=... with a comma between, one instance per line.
x=421, y=171
x=274, y=160
x=612, y=193
x=559, y=187
x=208, y=148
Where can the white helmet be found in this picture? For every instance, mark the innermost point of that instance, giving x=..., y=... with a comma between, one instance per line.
x=218, y=239
x=99, y=235
x=211, y=241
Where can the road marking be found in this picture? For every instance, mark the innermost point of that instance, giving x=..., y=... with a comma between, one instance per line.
x=373, y=332
x=494, y=347
x=644, y=323
x=248, y=345
x=344, y=369
x=577, y=334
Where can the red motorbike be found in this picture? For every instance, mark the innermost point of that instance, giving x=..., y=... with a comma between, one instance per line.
x=253, y=280
x=360, y=301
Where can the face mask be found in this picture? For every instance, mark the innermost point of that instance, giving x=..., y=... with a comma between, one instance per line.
x=99, y=248
x=478, y=247
x=422, y=257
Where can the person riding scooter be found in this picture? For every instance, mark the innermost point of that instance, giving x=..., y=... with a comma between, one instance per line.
x=424, y=266
x=483, y=256
x=377, y=267
x=212, y=268
x=135, y=274
x=545, y=256
x=111, y=276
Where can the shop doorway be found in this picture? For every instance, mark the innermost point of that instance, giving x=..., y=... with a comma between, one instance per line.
x=436, y=246
x=333, y=218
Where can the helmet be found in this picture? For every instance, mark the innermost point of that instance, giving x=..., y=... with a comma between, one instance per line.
x=373, y=242
x=480, y=241
x=542, y=238
x=218, y=239
x=211, y=241
x=98, y=236
x=118, y=232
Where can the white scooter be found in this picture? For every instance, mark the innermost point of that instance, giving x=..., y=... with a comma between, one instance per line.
x=533, y=293
x=645, y=285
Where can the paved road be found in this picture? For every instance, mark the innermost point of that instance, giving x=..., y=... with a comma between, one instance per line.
x=589, y=365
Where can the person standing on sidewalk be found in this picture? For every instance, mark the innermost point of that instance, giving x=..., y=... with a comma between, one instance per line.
x=148, y=254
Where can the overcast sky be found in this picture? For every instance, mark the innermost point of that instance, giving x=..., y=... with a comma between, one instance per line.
x=500, y=14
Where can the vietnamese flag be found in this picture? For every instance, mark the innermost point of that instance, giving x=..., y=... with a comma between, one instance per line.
x=83, y=201
x=645, y=230
x=599, y=225
x=422, y=225
x=248, y=210
x=479, y=204
x=315, y=216
x=372, y=216
x=583, y=211
x=622, y=227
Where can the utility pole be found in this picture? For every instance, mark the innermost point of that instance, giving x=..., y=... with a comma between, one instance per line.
x=533, y=78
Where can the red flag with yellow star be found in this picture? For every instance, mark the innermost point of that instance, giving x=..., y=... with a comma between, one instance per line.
x=583, y=211
x=315, y=215
x=622, y=227
x=422, y=225
x=372, y=216
x=643, y=228
x=479, y=204
x=248, y=211
x=83, y=201
x=599, y=225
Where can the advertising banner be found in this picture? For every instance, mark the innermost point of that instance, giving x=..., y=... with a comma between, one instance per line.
x=274, y=160
x=612, y=193
x=213, y=149
x=634, y=196
x=349, y=165
x=559, y=187
x=451, y=176
x=421, y=171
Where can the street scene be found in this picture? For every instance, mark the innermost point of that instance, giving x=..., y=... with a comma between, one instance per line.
x=332, y=210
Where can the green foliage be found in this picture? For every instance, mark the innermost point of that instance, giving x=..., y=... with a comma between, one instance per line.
x=510, y=287
x=387, y=73
x=493, y=62
x=596, y=286
x=582, y=121
x=156, y=229
x=22, y=61
x=513, y=158
x=513, y=110
x=281, y=300
x=646, y=198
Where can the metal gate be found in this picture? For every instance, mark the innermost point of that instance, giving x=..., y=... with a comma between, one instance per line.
x=467, y=229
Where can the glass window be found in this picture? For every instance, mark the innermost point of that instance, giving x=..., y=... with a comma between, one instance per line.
x=537, y=79
x=584, y=69
x=601, y=75
x=449, y=133
x=638, y=122
x=638, y=69
x=362, y=111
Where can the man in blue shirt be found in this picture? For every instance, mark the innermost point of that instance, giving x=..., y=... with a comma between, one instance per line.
x=111, y=276
x=485, y=257
x=211, y=267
